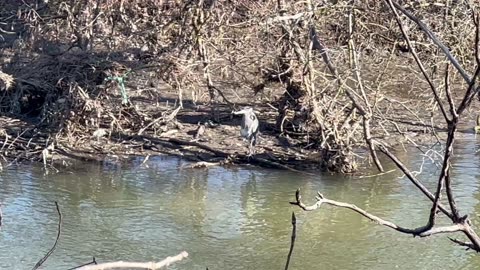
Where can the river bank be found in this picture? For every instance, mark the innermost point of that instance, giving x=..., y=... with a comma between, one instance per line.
x=81, y=81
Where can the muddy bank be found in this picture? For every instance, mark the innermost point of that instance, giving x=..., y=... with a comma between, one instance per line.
x=107, y=80
x=168, y=129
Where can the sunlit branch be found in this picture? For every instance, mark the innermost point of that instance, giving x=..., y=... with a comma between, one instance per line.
x=423, y=231
x=137, y=265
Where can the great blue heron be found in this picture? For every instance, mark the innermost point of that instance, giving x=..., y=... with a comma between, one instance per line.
x=249, y=128
x=199, y=132
x=476, y=129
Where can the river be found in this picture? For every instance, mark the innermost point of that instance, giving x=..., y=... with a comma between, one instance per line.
x=226, y=218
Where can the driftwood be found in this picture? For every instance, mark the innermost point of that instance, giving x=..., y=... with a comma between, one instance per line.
x=202, y=164
x=233, y=158
x=137, y=265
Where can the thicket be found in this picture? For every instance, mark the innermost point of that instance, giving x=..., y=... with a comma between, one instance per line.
x=337, y=64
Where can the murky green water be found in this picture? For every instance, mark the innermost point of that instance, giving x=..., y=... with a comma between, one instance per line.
x=236, y=218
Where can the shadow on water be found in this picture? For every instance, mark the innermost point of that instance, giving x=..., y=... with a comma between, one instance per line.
x=226, y=218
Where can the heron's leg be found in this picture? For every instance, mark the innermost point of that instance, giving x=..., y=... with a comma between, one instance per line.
x=251, y=149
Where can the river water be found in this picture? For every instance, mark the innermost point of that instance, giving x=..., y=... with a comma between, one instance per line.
x=226, y=218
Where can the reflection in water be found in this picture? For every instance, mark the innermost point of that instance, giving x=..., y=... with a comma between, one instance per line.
x=233, y=218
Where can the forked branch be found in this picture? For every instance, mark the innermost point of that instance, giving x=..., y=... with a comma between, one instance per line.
x=423, y=231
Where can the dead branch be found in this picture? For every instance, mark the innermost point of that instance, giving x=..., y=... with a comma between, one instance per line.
x=94, y=261
x=460, y=223
x=235, y=158
x=368, y=114
x=202, y=164
x=452, y=122
x=161, y=119
x=292, y=242
x=148, y=265
x=59, y=230
x=377, y=174
x=420, y=231
x=462, y=243
x=413, y=179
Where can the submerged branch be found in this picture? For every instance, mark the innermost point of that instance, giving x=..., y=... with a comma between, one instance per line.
x=39, y=263
x=292, y=243
x=94, y=261
x=462, y=243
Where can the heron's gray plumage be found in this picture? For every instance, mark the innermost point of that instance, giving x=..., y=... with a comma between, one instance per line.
x=249, y=126
x=200, y=131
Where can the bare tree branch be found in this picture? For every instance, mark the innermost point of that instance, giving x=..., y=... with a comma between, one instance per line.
x=368, y=113
x=148, y=265
x=421, y=231
x=413, y=179
x=448, y=93
x=94, y=261
x=472, y=86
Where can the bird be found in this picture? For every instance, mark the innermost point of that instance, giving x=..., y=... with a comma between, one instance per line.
x=200, y=131
x=250, y=125
x=476, y=129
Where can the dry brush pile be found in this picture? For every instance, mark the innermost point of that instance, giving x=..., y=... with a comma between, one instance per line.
x=336, y=68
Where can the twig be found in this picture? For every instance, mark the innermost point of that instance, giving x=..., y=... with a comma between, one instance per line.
x=292, y=243
x=414, y=180
x=202, y=164
x=377, y=174
x=39, y=263
x=94, y=261
x=448, y=93
x=148, y=265
x=462, y=243
x=163, y=118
